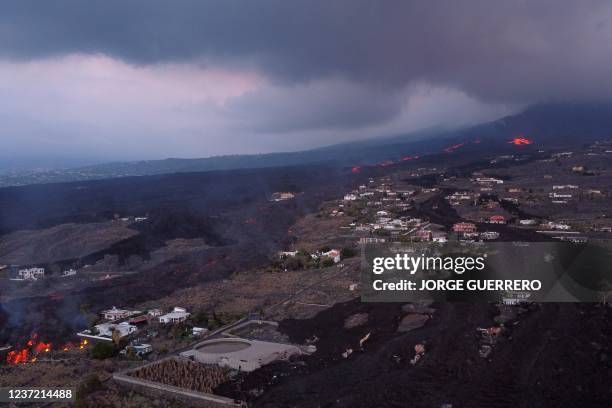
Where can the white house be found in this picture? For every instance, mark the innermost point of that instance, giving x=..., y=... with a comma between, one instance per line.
x=178, y=314
x=198, y=331
x=371, y=240
x=107, y=329
x=333, y=254
x=31, y=273
x=439, y=237
x=141, y=349
x=489, y=235
x=557, y=195
x=489, y=180
x=557, y=226
x=282, y=196
x=155, y=312
x=116, y=314
x=69, y=272
x=350, y=197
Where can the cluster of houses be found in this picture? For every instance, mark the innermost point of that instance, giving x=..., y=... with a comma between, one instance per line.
x=379, y=204
x=68, y=272
x=469, y=231
x=563, y=196
x=282, y=196
x=124, y=322
x=562, y=232
x=488, y=180
x=381, y=196
x=555, y=194
x=333, y=254
x=459, y=196
x=135, y=219
x=30, y=274
x=35, y=273
x=378, y=208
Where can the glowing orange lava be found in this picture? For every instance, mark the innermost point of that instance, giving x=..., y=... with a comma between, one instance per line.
x=17, y=357
x=33, y=348
x=519, y=141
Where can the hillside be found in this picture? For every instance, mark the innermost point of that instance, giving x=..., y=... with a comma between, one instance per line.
x=563, y=124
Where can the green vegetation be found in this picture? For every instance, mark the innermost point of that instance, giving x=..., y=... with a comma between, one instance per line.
x=203, y=319
x=302, y=260
x=103, y=350
x=327, y=262
x=180, y=330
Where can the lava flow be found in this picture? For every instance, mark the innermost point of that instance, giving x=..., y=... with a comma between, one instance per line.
x=519, y=141
x=35, y=347
x=452, y=148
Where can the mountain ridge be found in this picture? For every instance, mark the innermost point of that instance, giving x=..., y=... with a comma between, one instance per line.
x=564, y=124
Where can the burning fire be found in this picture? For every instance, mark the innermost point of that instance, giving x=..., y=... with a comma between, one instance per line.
x=356, y=169
x=34, y=347
x=519, y=141
x=17, y=357
x=42, y=347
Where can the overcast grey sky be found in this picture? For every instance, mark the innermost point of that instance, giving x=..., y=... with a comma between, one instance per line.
x=152, y=79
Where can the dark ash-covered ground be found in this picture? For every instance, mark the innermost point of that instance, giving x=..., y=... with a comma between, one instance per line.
x=555, y=355
x=229, y=211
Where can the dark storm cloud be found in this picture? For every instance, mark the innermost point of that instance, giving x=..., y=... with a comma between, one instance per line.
x=321, y=105
x=495, y=50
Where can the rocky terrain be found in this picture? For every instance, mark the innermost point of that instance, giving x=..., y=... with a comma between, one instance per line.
x=197, y=228
x=208, y=242
x=556, y=355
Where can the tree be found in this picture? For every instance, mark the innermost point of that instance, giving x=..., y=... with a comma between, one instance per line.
x=179, y=330
x=293, y=263
x=116, y=337
x=199, y=318
x=327, y=262
x=102, y=350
